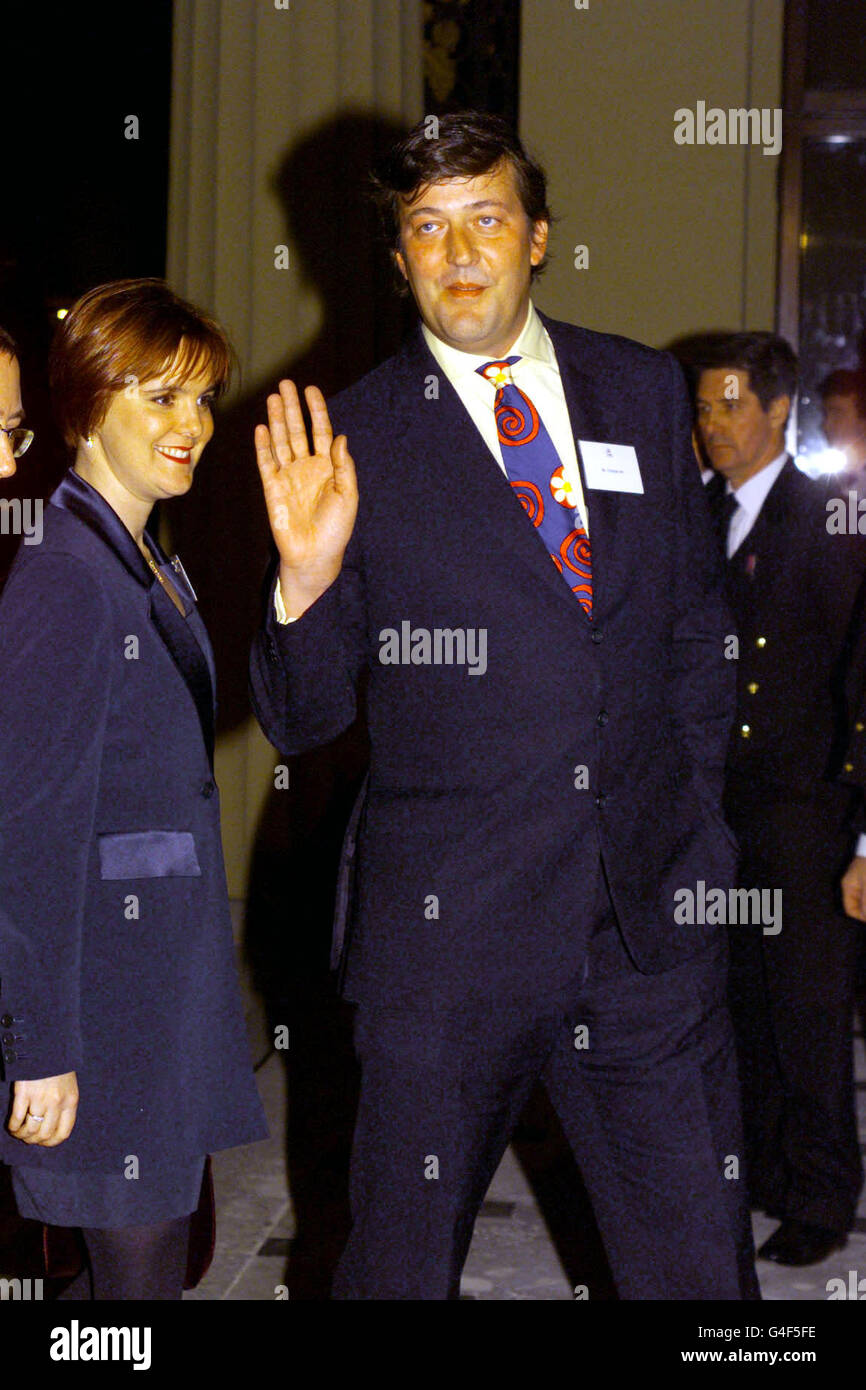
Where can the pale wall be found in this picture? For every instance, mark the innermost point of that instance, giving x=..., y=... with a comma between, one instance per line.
x=680, y=238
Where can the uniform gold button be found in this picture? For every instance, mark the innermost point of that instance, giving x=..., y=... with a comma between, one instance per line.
x=752, y=687
x=761, y=642
x=745, y=731
x=859, y=727
x=849, y=767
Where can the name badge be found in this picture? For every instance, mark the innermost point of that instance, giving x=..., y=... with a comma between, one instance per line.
x=610, y=467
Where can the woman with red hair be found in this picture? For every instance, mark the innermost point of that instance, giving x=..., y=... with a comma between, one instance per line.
x=124, y=1049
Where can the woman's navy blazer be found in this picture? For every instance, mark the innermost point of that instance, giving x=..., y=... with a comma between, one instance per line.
x=116, y=952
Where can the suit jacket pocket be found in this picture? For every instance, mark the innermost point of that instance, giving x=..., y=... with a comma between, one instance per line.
x=149, y=854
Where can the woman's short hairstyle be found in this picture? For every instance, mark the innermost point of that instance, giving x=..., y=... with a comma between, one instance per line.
x=127, y=331
x=8, y=346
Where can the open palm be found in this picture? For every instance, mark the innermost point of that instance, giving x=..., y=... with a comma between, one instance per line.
x=311, y=497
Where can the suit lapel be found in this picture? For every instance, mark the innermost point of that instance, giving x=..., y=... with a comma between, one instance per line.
x=752, y=562
x=591, y=420
x=184, y=638
x=467, y=470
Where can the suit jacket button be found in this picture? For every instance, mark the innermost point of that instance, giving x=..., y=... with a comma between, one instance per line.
x=849, y=767
x=745, y=731
x=597, y=636
x=858, y=727
x=208, y=789
x=6, y=1021
x=603, y=717
x=8, y=1038
x=10, y=1056
x=601, y=799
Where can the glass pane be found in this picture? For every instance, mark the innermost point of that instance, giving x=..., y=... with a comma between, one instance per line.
x=836, y=45
x=832, y=277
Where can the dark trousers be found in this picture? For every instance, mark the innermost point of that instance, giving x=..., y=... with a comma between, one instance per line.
x=642, y=1073
x=792, y=1001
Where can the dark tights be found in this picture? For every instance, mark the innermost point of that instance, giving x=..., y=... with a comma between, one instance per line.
x=133, y=1262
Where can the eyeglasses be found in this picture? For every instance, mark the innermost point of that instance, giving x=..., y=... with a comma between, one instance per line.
x=19, y=440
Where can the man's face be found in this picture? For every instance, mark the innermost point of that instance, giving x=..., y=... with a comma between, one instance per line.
x=11, y=410
x=739, y=436
x=467, y=250
x=844, y=426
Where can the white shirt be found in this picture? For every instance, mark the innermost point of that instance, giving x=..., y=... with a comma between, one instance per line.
x=537, y=373
x=751, y=496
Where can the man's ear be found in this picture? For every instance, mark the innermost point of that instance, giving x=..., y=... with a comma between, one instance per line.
x=778, y=411
x=540, y=230
x=400, y=264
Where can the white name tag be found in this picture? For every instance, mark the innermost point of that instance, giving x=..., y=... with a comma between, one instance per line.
x=610, y=467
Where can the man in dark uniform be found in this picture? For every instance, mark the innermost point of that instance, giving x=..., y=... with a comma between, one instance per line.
x=792, y=582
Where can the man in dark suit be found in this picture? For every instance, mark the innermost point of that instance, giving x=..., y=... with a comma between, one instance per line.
x=792, y=581
x=525, y=575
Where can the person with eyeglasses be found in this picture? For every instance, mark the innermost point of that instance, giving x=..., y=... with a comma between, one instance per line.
x=14, y=438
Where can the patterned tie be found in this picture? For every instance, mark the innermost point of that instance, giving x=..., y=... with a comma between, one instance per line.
x=538, y=478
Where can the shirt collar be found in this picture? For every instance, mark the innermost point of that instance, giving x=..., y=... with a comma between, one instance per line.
x=753, y=493
x=531, y=342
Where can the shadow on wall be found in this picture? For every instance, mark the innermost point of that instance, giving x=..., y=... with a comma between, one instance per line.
x=221, y=532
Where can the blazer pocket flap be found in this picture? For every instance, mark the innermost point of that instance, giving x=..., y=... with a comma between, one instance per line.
x=149, y=854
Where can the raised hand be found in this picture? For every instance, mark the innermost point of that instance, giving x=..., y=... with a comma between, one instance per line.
x=312, y=498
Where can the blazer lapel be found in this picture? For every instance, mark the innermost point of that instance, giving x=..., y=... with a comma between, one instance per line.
x=184, y=637
x=187, y=643
x=591, y=419
x=752, y=561
x=467, y=470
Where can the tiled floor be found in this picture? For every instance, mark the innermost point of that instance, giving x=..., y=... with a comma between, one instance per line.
x=512, y=1254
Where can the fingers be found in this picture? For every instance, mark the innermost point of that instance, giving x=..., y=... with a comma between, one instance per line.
x=20, y=1104
x=35, y=1129
x=294, y=419
x=284, y=438
x=322, y=432
x=264, y=454
x=43, y=1112
x=64, y=1123
x=344, y=468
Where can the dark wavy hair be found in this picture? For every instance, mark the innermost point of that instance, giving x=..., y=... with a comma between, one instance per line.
x=461, y=145
x=769, y=360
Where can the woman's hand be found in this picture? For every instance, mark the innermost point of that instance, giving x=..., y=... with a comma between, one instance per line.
x=43, y=1112
x=312, y=498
